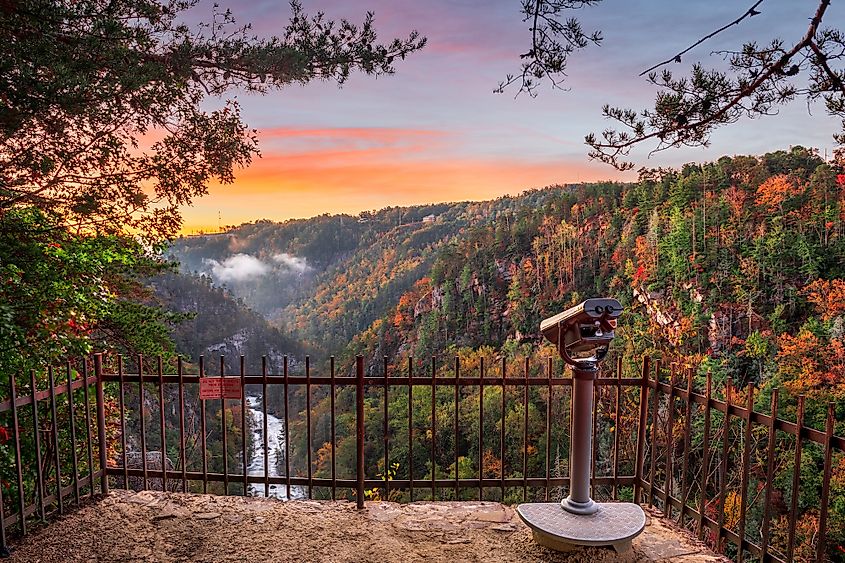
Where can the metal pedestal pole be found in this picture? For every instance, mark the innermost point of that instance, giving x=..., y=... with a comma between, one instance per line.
x=577, y=520
x=580, y=447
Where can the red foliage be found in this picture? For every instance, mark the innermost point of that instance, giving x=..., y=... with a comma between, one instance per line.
x=640, y=275
x=645, y=260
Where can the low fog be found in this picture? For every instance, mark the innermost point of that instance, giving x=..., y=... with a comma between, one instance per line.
x=265, y=285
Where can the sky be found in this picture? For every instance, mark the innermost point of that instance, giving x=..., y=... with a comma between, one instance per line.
x=435, y=131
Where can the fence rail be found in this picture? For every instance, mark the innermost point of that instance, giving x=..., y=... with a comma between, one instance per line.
x=439, y=430
x=286, y=384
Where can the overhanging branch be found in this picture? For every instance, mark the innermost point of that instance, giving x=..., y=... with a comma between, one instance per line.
x=751, y=12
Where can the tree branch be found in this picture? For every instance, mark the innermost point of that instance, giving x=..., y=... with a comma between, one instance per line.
x=673, y=110
x=751, y=12
x=835, y=79
x=552, y=41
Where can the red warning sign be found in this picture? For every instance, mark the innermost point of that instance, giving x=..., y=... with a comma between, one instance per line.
x=231, y=387
x=211, y=388
x=220, y=388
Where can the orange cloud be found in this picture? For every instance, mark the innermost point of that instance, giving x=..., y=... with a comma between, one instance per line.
x=386, y=134
x=357, y=142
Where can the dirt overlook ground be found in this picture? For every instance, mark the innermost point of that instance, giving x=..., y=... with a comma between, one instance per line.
x=170, y=527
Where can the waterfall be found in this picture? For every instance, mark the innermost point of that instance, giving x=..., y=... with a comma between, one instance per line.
x=274, y=453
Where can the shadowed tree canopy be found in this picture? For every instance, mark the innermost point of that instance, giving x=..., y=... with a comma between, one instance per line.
x=100, y=116
x=758, y=80
x=103, y=135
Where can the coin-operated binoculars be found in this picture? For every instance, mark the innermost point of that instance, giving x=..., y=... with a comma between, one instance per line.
x=583, y=335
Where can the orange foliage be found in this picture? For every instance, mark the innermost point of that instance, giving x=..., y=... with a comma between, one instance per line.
x=798, y=357
x=774, y=191
x=324, y=457
x=732, y=509
x=399, y=320
x=736, y=199
x=492, y=465
x=403, y=318
x=808, y=363
x=528, y=266
x=645, y=260
x=828, y=297
x=806, y=532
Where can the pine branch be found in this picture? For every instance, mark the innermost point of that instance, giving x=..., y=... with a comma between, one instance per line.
x=672, y=121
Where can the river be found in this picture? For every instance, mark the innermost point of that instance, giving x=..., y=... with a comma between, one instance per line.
x=274, y=453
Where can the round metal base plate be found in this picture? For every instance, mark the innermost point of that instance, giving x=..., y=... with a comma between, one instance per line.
x=614, y=523
x=582, y=508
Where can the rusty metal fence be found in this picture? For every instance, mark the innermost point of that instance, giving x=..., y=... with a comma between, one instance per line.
x=443, y=429
x=53, y=438
x=531, y=386
x=724, y=489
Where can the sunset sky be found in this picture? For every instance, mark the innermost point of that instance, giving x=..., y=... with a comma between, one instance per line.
x=435, y=132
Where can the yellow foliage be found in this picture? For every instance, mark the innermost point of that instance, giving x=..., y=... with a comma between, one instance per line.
x=732, y=509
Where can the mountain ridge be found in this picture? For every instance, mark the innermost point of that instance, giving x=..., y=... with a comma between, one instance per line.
x=726, y=264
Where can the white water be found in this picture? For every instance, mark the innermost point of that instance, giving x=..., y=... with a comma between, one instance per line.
x=274, y=453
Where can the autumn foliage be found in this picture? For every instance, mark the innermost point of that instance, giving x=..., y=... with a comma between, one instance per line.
x=827, y=296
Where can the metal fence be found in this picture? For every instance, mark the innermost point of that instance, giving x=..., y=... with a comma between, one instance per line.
x=442, y=429
x=511, y=390
x=707, y=504
x=52, y=446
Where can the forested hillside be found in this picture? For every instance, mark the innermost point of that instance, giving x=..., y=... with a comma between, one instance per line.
x=219, y=324
x=323, y=280
x=737, y=264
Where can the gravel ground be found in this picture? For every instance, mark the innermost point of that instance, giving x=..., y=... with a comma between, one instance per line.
x=169, y=527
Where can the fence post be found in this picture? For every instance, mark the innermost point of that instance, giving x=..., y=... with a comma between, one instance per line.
x=101, y=422
x=359, y=426
x=638, y=477
x=828, y=459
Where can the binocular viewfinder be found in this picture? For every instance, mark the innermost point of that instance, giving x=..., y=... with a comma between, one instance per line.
x=583, y=332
